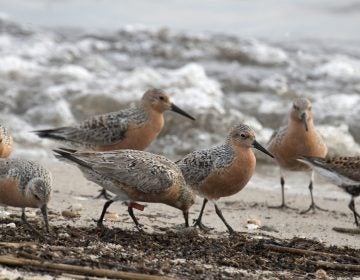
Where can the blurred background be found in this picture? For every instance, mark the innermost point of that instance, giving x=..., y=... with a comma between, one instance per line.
x=224, y=62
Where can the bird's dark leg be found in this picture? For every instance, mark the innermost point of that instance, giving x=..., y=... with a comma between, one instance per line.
x=25, y=221
x=131, y=213
x=219, y=213
x=313, y=205
x=106, y=206
x=283, y=205
x=103, y=193
x=352, y=208
x=45, y=215
x=198, y=222
x=186, y=217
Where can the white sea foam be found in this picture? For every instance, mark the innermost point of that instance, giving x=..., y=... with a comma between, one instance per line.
x=341, y=68
x=264, y=53
x=50, y=79
x=15, y=65
x=339, y=140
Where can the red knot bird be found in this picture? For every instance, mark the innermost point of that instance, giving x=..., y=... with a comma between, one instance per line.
x=134, y=176
x=6, y=142
x=25, y=183
x=132, y=128
x=298, y=138
x=342, y=171
x=222, y=170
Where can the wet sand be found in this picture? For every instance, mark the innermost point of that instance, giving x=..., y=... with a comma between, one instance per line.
x=73, y=190
x=73, y=193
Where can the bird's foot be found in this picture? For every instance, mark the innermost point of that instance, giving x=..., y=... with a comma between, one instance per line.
x=232, y=232
x=99, y=223
x=201, y=226
x=313, y=207
x=140, y=227
x=282, y=206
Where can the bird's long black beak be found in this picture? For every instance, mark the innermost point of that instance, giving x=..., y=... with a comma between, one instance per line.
x=45, y=215
x=303, y=119
x=180, y=111
x=257, y=146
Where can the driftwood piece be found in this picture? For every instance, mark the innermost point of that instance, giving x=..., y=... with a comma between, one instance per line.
x=347, y=230
x=74, y=269
x=336, y=266
x=282, y=249
x=18, y=245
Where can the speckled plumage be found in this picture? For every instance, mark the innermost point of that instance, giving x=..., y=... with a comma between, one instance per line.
x=221, y=170
x=299, y=137
x=342, y=171
x=198, y=165
x=25, y=183
x=102, y=130
x=25, y=172
x=6, y=142
x=132, y=128
x=134, y=176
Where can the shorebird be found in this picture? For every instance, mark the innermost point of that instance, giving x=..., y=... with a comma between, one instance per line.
x=221, y=170
x=132, y=128
x=6, y=142
x=25, y=183
x=134, y=176
x=342, y=171
x=298, y=138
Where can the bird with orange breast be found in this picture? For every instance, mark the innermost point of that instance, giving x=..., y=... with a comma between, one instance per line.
x=222, y=170
x=298, y=138
x=6, y=142
x=132, y=128
x=25, y=183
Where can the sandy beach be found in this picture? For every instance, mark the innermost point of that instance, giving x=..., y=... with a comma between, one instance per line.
x=72, y=193
x=73, y=190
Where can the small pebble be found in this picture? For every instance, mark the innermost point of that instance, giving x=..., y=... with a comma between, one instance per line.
x=70, y=214
x=111, y=216
x=321, y=274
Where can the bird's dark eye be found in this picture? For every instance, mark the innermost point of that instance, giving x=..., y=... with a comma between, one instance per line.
x=243, y=135
x=36, y=197
x=296, y=107
x=162, y=98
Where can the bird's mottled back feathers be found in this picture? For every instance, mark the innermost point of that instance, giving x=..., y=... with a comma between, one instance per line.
x=346, y=166
x=198, y=165
x=277, y=136
x=103, y=129
x=144, y=171
x=24, y=171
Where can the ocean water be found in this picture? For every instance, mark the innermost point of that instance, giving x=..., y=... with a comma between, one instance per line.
x=53, y=77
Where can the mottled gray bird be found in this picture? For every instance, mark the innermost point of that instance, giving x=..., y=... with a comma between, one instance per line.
x=132, y=128
x=222, y=170
x=25, y=183
x=134, y=176
x=342, y=171
x=298, y=138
